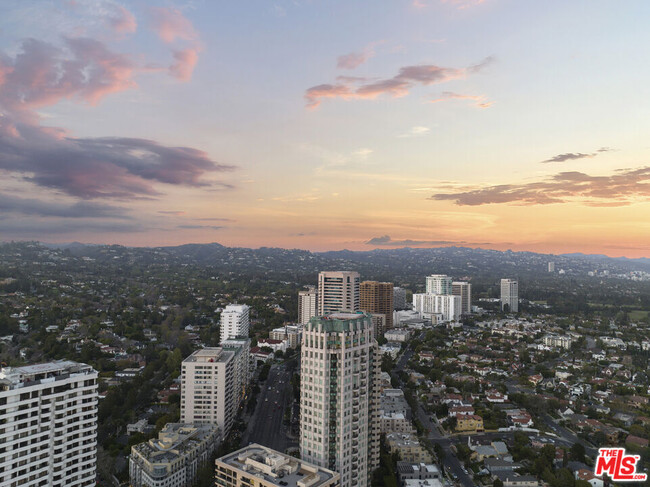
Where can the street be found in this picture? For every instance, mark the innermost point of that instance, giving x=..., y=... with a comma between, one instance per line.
x=266, y=425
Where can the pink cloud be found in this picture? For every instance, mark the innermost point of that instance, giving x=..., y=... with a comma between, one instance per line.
x=170, y=24
x=186, y=60
x=123, y=22
x=43, y=74
x=479, y=100
x=353, y=59
x=397, y=86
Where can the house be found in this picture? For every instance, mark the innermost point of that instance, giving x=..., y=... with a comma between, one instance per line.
x=588, y=476
x=636, y=441
x=456, y=411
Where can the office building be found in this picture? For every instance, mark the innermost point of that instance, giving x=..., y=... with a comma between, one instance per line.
x=399, y=298
x=464, y=290
x=440, y=308
x=48, y=425
x=551, y=266
x=263, y=467
x=212, y=385
x=510, y=295
x=235, y=321
x=307, y=305
x=377, y=298
x=175, y=457
x=438, y=284
x=338, y=291
x=339, y=396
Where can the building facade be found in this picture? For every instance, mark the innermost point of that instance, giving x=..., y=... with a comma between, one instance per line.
x=429, y=306
x=338, y=291
x=48, y=418
x=510, y=295
x=464, y=290
x=175, y=457
x=263, y=467
x=307, y=305
x=399, y=298
x=213, y=382
x=235, y=321
x=339, y=396
x=377, y=298
x=438, y=284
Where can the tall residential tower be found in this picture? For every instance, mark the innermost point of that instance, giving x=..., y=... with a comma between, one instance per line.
x=235, y=321
x=48, y=414
x=339, y=396
x=377, y=298
x=510, y=295
x=307, y=305
x=338, y=291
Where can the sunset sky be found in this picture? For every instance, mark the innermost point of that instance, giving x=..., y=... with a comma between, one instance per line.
x=504, y=124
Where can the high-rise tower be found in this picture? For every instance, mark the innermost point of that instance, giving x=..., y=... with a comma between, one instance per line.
x=510, y=295
x=464, y=290
x=48, y=414
x=377, y=298
x=338, y=291
x=235, y=321
x=339, y=396
x=438, y=284
x=307, y=305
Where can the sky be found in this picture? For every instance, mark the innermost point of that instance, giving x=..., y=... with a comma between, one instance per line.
x=324, y=125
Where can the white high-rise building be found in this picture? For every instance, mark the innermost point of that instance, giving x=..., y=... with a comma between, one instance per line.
x=338, y=291
x=235, y=321
x=449, y=306
x=510, y=295
x=551, y=266
x=307, y=305
x=464, y=290
x=339, y=396
x=213, y=381
x=48, y=425
x=439, y=284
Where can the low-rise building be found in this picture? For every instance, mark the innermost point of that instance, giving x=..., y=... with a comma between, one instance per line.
x=416, y=471
x=174, y=458
x=263, y=467
x=397, y=335
x=470, y=422
x=409, y=448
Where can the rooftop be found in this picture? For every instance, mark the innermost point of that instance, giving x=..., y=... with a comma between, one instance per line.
x=274, y=467
x=175, y=440
x=210, y=354
x=29, y=375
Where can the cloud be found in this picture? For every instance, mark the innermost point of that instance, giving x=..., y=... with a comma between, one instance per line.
x=82, y=209
x=195, y=227
x=37, y=228
x=570, y=156
x=118, y=167
x=170, y=24
x=624, y=187
x=416, y=131
x=122, y=21
x=463, y=4
x=397, y=86
x=185, y=61
x=478, y=100
x=386, y=240
x=353, y=60
x=42, y=74
x=171, y=212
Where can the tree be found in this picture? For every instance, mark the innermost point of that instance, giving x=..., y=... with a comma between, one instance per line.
x=497, y=483
x=578, y=452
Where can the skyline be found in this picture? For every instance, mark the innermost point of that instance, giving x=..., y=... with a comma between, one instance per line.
x=323, y=126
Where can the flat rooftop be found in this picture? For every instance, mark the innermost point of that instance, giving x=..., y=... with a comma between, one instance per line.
x=210, y=354
x=274, y=467
x=28, y=375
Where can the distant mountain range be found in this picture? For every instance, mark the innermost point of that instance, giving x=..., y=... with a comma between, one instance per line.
x=378, y=263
